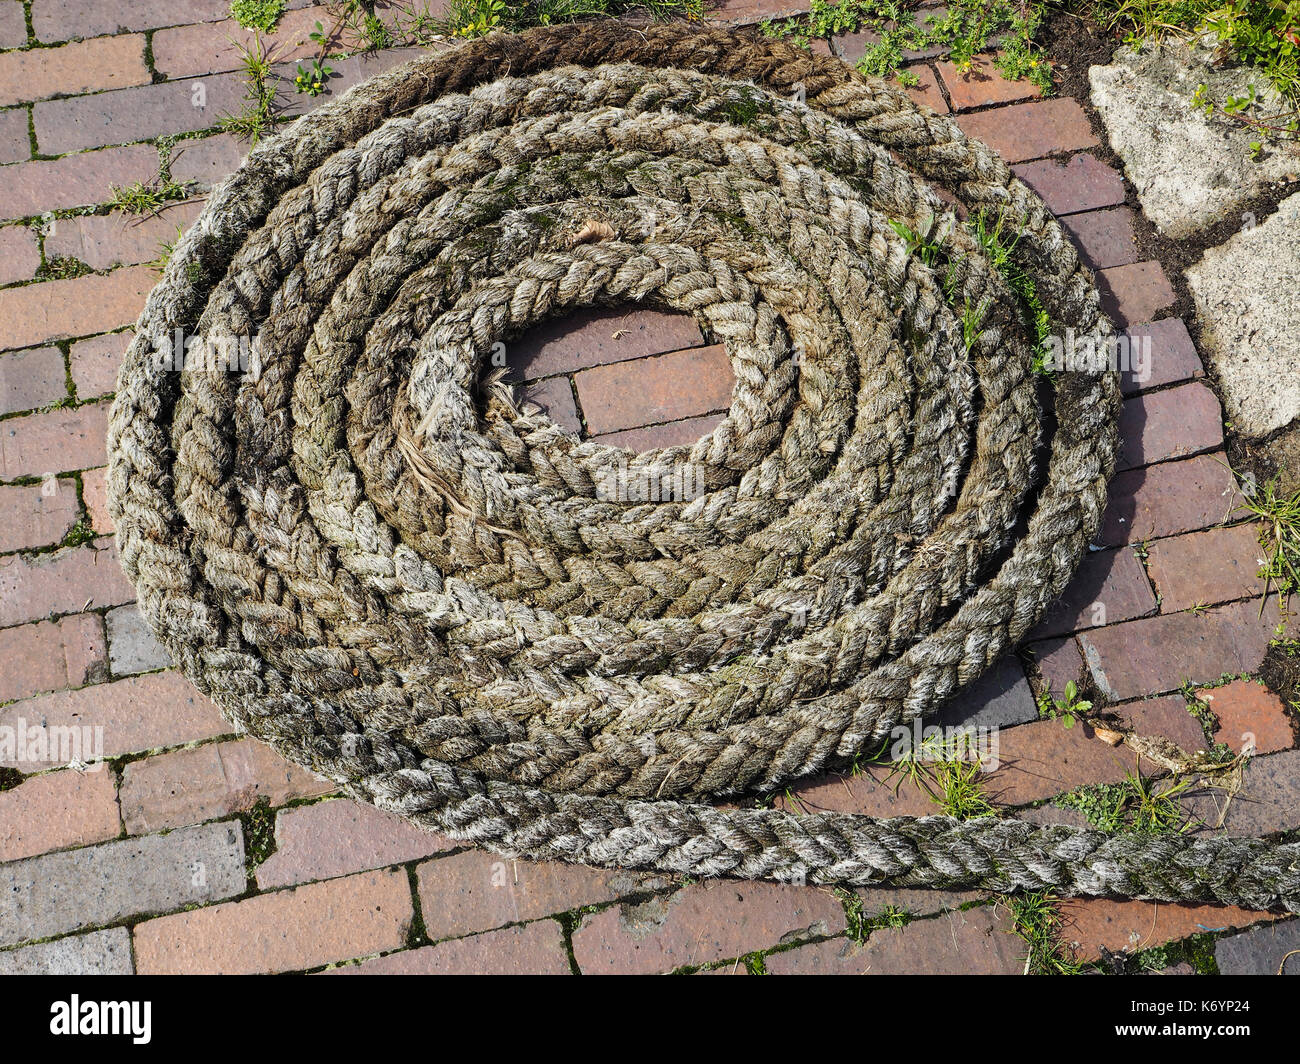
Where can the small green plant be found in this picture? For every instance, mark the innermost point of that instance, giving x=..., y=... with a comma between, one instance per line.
x=1069, y=710
x=63, y=267
x=312, y=79
x=473, y=18
x=1278, y=515
x=257, y=118
x=142, y=198
x=972, y=319
x=1140, y=804
x=261, y=15
x=1035, y=919
x=926, y=243
x=999, y=247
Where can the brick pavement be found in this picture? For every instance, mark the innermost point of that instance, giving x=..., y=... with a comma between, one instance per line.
x=193, y=849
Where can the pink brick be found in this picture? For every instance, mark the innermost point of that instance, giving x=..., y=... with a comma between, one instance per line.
x=477, y=891
x=1157, y=654
x=182, y=51
x=1166, y=499
x=1164, y=354
x=95, y=363
x=534, y=949
x=54, y=441
x=61, y=582
x=672, y=434
x=983, y=85
x=926, y=92
x=287, y=930
x=79, y=306
x=137, y=714
x=1109, y=586
x=101, y=241
x=13, y=25
x=1249, y=714
x=1166, y=716
x=1105, y=238
x=1090, y=925
x=1081, y=183
x=1059, y=662
x=1031, y=130
x=665, y=388
x=90, y=66
x=207, y=782
x=870, y=791
x=701, y=924
x=1134, y=293
x=1174, y=423
x=33, y=515
x=31, y=188
x=57, y=810
x=61, y=20
x=598, y=336
x=19, y=255
x=32, y=378
x=745, y=12
x=1205, y=568
x=974, y=942
x=94, y=493
x=205, y=163
x=52, y=655
x=15, y=138
x=554, y=397
x=335, y=838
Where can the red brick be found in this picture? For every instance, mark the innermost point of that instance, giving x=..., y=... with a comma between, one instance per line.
x=101, y=241
x=57, y=810
x=208, y=782
x=1081, y=183
x=1089, y=925
x=61, y=20
x=1109, y=586
x=672, y=434
x=1134, y=293
x=31, y=188
x=96, y=361
x=983, y=85
x=974, y=942
x=926, y=91
x=1206, y=568
x=1031, y=130
x=1157, y=654
x=137, y=714
x=182, y=51
x=89, y=66
x=19, y=255
x=1167, y=356
x=701, y=924
x=339, y=837
x=555, y=398
x=1059, y=662
x=870, y=791
x=1249, y=714
x=1174, y=423
x=122, y=116
x=13, y=24
x=1046, y=758
x=535, y=949
x=61, y=582
x=1104, y=238
x=665, y=388
x=37, y=515
x=95, y=496
x=15, y=137
x=52, y=655
x=597, y=336
x=33, y=378
x=744, y=12
x=80, y=306
x=477, y=891
x=1166, y=499
x=201, y=164
x=1165, y=716
x=284, y=931
x=53, y=441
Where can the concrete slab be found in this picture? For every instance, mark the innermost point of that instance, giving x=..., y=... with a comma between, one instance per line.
x=1190, y=169
x=1245, y=293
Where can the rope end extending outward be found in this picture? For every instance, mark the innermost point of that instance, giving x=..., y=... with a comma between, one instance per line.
x=463, y=613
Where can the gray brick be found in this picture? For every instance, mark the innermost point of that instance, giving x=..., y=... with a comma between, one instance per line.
x=63, y=892
x=998, y=699
x=1260, y=951
x=99, y=953
x=132, y=647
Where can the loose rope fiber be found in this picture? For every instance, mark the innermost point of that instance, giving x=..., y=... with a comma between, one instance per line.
x=370, y=559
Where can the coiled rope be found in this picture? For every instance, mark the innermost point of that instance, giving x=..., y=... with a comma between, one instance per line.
x=369, y=558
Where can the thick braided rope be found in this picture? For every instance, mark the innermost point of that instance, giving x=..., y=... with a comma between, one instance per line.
x=368, y=557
